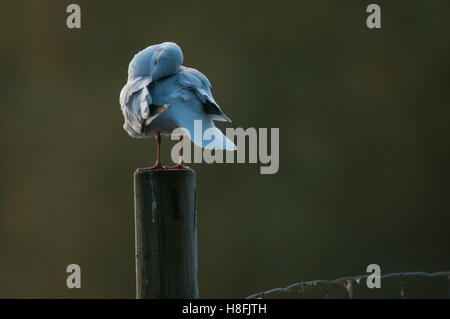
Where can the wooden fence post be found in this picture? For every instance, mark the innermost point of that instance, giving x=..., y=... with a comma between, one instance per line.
x=166, y=234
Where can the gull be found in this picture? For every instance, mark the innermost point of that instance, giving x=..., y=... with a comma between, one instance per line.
x=161, y=95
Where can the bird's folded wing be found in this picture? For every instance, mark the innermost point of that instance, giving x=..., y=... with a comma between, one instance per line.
x=135, y=102
x=199, y=83
x=132, y=87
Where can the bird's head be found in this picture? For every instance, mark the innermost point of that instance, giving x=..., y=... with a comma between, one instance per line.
x=157, y=61
x=166, y=60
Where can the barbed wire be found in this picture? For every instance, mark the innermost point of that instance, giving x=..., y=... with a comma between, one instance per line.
x=348, y=279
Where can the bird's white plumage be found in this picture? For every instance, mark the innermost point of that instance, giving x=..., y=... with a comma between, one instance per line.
x=156, y=78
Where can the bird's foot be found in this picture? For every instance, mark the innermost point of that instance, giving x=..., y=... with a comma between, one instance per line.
x=180, y=165
x=157, y=166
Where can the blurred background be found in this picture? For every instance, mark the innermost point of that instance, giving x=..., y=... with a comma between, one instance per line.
x=364, y=141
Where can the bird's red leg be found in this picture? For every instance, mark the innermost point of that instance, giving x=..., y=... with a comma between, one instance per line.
x=158, y=164
x=180, y=164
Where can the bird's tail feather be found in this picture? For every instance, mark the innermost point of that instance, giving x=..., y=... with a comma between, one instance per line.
x=203, y=133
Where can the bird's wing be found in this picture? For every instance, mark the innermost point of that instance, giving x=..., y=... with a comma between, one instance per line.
x=137, y=107
x=134, y=86
x=199, y=83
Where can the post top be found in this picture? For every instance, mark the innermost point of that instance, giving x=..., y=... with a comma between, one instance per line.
x=164, y=172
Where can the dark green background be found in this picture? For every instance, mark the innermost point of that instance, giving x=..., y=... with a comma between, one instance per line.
x=364, y=141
